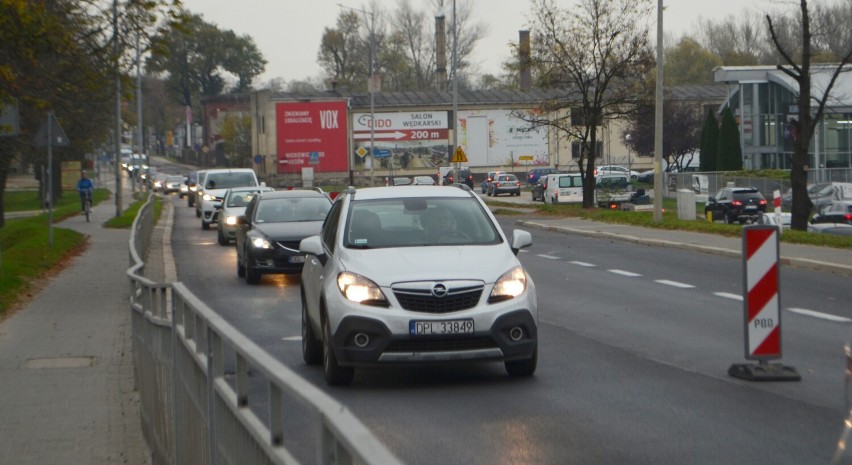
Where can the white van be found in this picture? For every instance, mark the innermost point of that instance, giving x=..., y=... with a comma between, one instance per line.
x=564, y=188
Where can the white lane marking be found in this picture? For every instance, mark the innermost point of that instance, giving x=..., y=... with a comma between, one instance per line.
x=549, y=257
x=625, y=273
x=729, y=295
x=588, y=265
x=292, y=338
x=824, y=316
x=675, y=284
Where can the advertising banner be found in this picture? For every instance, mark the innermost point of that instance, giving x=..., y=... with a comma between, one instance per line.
x=404, y=139
x=312, y=134
x=496, y=137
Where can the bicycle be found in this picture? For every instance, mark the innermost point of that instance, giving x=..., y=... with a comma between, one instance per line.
x=88, y=204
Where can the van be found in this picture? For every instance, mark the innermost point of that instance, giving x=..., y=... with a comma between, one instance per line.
x=564, y=188
x=212, y=187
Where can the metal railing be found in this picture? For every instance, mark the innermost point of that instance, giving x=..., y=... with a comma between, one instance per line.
x=209, y=395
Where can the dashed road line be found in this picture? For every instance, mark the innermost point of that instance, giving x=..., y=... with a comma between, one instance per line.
x=728, y=295
x=586, y=264
x=549, y=257
x=824, y=316
x=674, y=284
x=625, y=273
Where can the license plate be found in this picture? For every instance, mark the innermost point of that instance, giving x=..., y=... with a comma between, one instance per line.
x=751, y=207
x=431, y=327
x=297, y=259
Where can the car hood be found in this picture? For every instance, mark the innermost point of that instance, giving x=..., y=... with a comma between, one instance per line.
x=289, y=231
x=393, y=265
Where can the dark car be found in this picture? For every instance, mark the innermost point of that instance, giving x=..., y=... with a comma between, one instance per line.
x=535, y=173
x=268, y=235
x=504, y=184
x=837, y=212
x=539, y=188
x=736, y=205
x=465, y=177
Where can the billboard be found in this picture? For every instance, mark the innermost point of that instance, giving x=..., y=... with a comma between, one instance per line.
x=311, y=134
x=403, y=140
x=496, y=138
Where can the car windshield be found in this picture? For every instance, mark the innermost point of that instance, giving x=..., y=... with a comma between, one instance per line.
x=412, y=222
x=292, y=209
x=240, y=198
x=227, y=180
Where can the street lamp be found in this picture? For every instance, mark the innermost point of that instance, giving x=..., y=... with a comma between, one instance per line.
x=371, y=89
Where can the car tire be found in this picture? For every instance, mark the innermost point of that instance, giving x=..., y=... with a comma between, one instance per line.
x=252, y=275
x=189, y=202
x=522, y=368
x=729, y=219
x=221, y=237
x=311, y=345
x=197, y=213
x=205, y=225
x=335, y=374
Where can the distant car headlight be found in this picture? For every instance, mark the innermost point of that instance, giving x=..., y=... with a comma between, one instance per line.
x=231, y=220
x=261, y=243
x=512, y=284
x=360, y=289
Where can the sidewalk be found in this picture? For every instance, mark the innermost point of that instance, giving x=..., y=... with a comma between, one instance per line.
x=66, y=360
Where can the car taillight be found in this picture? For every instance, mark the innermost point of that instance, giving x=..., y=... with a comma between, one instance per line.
x=847, y=217
x=762, y=202
x=737, y=203
x=518, y=183
x=496, y=184
x=470, y=177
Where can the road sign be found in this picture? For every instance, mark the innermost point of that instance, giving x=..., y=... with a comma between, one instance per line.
x=762, y=307
x=57, y=135
x=459, y=156
x=381, y=153
x=404, y=135
x=361, y=152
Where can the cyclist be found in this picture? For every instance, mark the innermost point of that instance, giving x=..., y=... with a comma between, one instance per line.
x=85, y=187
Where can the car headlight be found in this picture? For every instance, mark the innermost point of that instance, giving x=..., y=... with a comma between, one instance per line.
x=261, y=243
x=208, y=197
x=231, y=220
x=360, y=289
x=512, y=284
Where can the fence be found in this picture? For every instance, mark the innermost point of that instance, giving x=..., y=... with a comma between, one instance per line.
x=717, y=180
x=209, y=395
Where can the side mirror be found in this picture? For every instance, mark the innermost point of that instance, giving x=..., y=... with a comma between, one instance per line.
x=313, y=246
x=242, y=220
x=520, y=239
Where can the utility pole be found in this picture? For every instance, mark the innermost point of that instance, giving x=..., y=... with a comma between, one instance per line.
x=658, y=121
x=117, y=156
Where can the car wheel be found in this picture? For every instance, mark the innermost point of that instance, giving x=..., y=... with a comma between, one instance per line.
x=197, y=213
x=335, y=375
x=311, y=346
x=190, y=202
x=221, y=237
x=252, y=275
x=520, y=368
x=729, y=219
x=205, y=225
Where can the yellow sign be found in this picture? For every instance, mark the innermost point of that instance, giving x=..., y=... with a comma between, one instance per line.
x=525, y=158
x=459, y=156
x=361, y=152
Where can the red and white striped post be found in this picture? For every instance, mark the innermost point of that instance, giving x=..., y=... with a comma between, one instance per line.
x=776, y=202
x=762, y=307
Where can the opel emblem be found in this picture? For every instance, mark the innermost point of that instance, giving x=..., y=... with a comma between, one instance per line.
x=439, y=290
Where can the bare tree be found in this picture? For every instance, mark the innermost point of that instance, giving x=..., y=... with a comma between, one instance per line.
x=596, y=56
x=808, y=119
x=415, y=33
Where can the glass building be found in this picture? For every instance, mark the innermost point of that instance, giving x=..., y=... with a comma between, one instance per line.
x=763, y=100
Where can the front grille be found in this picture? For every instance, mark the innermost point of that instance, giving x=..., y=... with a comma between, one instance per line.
x=441, y=345
x=424, y=301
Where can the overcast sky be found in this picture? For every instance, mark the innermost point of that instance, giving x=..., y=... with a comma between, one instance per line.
x=288, y=32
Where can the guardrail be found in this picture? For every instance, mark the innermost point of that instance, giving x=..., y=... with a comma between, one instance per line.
x=209, y=395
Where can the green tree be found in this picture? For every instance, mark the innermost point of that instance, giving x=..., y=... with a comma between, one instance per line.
x=236, y=134
x=709, y=143
x=729, y=155
x=689, y=63
x=597, y=56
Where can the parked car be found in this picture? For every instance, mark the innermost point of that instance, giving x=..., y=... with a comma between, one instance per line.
x=838, y=212
x=234, y=204
x=364, y=304
x=216, y=182
x=465, y=177
x=814, y=191
x=423, y=181
x=615, y=169
x=563, y=188
x=488, y=178
x=268, y=235
x=838, y=229
x=534, y=174
x=735, y=205
x=504, y=184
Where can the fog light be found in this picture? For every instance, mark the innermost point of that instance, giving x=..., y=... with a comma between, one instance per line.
x=361, y=340
x=516, y=333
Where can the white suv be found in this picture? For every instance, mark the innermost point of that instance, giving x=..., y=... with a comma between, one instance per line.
x=415, y=274
x=215, y=183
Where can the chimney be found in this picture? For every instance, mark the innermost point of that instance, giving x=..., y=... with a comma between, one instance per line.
x=524, y=60
x=441, y=52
